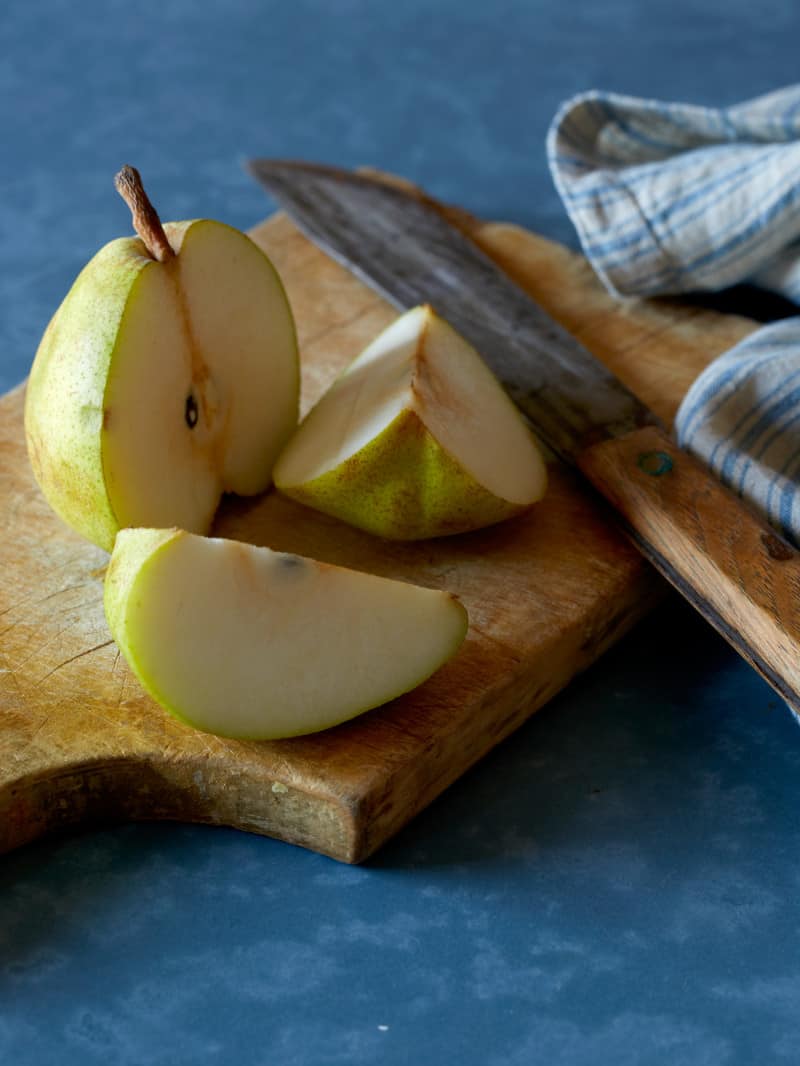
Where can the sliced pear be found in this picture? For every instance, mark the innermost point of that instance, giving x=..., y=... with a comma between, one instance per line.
x=416, y=439
x=162, y=383
x=251, y=643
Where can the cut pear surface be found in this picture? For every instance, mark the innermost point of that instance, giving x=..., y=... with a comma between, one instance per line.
x=416, y=439
x=160, y=385
x=255, y=644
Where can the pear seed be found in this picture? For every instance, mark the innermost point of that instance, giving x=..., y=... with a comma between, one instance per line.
x=191, y=414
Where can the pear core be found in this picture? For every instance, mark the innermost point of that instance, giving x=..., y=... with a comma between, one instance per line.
x=250, y=643
x=160, y=385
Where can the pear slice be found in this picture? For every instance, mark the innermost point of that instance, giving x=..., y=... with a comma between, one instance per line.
x=163, y=382
x=251, y=643
x=416, y=439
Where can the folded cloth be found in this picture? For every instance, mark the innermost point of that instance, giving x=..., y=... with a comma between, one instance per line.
x=670, y=198
x=742, y=417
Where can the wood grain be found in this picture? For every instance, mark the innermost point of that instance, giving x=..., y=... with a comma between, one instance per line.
x=742, y=577
x=547, y=593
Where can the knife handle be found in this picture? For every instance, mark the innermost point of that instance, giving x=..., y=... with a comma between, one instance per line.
x=738, y=573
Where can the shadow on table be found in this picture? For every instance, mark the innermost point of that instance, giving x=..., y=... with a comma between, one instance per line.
x=53, y=891
x=629, y=750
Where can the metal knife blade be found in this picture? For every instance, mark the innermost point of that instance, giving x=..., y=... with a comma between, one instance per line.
x=402, y=246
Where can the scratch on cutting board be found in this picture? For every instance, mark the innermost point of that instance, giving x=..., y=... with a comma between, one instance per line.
x=33, y=621
x=45, y=643
x=484, y=634
x=35, y=592
x=72, y=659
x=19, y=603
x=60, y=592
x=37, y=731
x=123, y=683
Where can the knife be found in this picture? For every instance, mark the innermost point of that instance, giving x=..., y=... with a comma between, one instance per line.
x=735, y=570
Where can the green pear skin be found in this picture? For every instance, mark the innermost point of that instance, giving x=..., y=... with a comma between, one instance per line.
x=250, y=643
x=64, y=401
x=373, y=491
x=415, y=439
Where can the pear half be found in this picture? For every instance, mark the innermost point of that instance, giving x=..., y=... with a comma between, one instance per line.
x=160, y=385
x=256, y=644
x=416, y=439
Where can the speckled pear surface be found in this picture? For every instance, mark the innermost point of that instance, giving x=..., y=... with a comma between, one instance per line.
x=416, y=439
x=66, y=389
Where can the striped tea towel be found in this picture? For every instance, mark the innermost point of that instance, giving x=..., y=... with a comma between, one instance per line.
x=671, y=198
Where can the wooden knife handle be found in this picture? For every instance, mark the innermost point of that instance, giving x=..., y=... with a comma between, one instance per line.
x=739, y=574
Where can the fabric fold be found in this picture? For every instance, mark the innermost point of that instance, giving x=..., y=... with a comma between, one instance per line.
x=671, y=198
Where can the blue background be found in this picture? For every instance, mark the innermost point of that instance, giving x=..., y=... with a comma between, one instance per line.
x=618, y=882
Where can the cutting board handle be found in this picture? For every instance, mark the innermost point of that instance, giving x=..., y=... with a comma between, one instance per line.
x=738, y=573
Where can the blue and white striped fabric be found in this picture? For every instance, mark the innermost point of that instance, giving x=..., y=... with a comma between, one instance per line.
x=742, y=417
x=671, y=198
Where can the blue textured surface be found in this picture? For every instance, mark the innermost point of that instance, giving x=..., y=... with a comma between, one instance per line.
x=619, y=882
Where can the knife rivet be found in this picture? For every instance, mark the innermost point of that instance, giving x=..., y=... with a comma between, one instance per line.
x=654, y=463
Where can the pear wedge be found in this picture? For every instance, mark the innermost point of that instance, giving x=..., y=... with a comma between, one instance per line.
x=251, y=643
x=416, y=439
x=162, y=383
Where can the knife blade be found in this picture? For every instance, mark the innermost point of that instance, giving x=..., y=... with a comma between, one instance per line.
x=404, y=248
x=736, y=571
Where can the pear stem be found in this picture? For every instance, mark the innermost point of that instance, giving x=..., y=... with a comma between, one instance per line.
x=146, y=222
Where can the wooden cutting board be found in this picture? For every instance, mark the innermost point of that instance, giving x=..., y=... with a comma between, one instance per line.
x=547, y=593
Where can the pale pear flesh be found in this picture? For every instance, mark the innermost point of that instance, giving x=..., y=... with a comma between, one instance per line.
x=159, y=386
x=416, y=438
x=250, y=643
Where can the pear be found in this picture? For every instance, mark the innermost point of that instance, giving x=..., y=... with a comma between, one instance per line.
x=251, y=643
x=416, y=439
x=168, y=376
